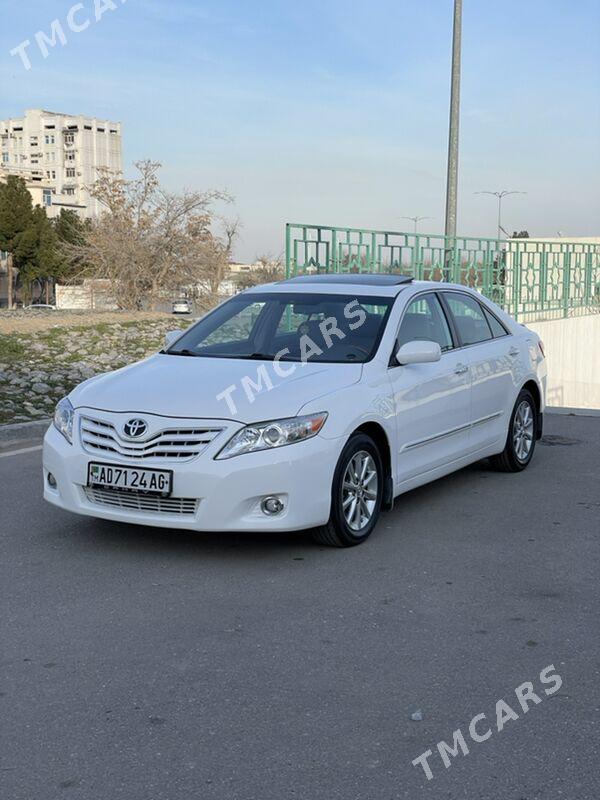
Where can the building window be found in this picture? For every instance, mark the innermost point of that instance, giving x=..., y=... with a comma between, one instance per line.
x=112, y=131
x=70, y=157
x=47, y=197
x=69, y=138
x=100, y=130
x=70, y=191
x=5, y=158
x=70, y=172
x=87, y=127
x=49, y=138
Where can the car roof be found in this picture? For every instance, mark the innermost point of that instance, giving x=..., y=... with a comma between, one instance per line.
x=365, y=283
x=361, y=278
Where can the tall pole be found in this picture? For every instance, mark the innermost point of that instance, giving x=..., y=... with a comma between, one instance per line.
x=500, y=195
x=452, y=179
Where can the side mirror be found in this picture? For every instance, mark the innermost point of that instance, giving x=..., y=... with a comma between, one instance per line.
x=170, y=337
x=419, y=352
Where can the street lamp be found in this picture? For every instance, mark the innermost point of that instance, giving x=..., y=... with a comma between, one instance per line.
x=452, y=176
x=501, y=195
x=416, y=220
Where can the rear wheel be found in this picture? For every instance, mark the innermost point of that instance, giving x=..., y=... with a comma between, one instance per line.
x=520, y=442
x=356, y=495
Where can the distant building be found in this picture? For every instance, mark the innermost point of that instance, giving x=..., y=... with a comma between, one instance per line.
x=238, y=269
x=58, y=156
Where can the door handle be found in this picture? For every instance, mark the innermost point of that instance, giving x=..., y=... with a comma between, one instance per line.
x=514, y=351
x=461, y=369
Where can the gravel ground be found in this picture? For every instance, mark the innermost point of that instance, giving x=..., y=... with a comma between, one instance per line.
x=38, y=366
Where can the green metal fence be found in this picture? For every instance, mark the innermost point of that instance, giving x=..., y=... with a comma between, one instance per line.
x=530, y=278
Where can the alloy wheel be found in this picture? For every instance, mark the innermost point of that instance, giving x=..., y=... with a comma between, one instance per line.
x=523, y=430
x=359, y=491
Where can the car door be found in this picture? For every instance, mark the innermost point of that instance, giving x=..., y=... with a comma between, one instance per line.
x=431, y=401
x=489, y=352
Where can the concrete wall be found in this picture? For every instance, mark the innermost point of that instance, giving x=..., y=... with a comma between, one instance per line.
x=92, y=295
x=573, y=352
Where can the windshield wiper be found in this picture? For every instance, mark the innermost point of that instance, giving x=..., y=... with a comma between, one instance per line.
x=259, y=357
x=184, y=352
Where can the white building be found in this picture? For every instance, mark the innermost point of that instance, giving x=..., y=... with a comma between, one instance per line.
x=58, y=155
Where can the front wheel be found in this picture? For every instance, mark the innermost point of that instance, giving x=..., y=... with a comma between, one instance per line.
x=356, y=495
x=520, y=442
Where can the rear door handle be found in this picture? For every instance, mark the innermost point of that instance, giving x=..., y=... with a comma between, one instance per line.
x=461, y=369
x=514, y=351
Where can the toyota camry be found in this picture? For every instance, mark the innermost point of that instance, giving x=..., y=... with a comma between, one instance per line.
x=310, y=403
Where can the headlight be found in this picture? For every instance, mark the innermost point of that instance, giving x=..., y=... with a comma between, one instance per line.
x=269, y=435
x=63, y=419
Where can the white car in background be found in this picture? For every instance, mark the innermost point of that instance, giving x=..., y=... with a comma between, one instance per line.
x=181, y=306
x=308, y=403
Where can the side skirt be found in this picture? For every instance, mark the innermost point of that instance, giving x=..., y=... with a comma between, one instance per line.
x=445, y=469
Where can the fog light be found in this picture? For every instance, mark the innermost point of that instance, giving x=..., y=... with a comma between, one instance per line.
x=51, y=481
x=271, y=506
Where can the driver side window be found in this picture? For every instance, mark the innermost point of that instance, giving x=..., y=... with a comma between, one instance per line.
x=424, y=320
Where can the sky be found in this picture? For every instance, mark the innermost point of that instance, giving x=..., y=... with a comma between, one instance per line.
x=334, y=111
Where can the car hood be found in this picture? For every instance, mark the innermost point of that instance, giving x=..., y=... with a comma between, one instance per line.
x=179, y=386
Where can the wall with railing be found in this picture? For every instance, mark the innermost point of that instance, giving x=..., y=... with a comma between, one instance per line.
x=531, y=279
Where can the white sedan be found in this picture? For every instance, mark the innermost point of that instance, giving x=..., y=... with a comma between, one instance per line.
x=308, y=403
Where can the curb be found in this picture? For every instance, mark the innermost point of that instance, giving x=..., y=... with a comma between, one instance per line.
x=573, y=412
x=23, y=430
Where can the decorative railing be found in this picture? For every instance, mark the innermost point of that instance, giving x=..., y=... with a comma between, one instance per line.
x=529, y=278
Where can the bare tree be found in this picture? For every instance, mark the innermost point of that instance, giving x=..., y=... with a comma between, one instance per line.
x=150, y=242
x=213, y=258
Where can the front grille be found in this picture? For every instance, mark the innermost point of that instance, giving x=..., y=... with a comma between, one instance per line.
x=171, y=444
x=138, y=501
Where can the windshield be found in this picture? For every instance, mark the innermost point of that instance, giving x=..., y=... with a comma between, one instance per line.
x=290, y=327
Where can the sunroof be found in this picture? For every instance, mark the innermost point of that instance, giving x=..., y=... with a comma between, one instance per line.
x=364, y=278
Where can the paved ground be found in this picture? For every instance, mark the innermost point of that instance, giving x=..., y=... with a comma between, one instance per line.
x=149, y=665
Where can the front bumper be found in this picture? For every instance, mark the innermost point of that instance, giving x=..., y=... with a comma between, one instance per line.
x=228, y=492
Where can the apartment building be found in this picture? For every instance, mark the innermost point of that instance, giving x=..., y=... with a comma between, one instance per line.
x=58, y=156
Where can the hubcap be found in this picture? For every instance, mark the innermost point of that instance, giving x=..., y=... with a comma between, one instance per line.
x=523, y=430
x=359, y=491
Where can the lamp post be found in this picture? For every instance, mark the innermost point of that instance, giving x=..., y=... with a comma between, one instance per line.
x=452, y=177
x=500, y=195
x=416, y=220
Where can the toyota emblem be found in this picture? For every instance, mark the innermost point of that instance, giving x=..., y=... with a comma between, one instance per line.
x=135, y=428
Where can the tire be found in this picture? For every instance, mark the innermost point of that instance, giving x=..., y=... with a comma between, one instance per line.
x=339, y=531
x=518, y=450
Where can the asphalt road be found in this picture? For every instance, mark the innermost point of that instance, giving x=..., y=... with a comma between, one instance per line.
x=149, y=665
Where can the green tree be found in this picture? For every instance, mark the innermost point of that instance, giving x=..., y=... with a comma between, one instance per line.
x=16, y=215
x=37, y=254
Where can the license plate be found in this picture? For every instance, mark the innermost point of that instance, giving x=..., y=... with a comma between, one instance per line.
x=153, y=481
